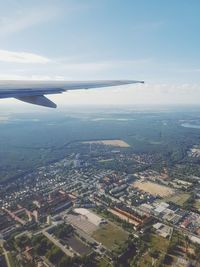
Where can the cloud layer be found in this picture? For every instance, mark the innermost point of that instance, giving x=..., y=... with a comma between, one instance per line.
x=22, y=57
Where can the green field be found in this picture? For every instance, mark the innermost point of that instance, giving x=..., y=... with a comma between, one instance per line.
x=110, y=235
x=105, y=160
x=25, y=144
x=159, y=244
x=103, y=262
x=197, y=204
x=178, y=199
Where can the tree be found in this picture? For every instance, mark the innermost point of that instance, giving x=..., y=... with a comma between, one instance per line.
x=154, y=253
x=41, y=247
x=54, y=255
x=65, y=262
x=197, y=251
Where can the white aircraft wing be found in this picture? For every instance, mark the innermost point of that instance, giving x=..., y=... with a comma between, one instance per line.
x=33, y=91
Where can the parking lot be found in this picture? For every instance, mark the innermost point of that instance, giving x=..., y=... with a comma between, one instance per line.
x=82, y=223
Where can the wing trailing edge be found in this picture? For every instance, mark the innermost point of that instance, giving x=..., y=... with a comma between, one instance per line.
x=39, y=100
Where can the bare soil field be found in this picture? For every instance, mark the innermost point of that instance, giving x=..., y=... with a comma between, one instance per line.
x=119, y=143
x=154, y=189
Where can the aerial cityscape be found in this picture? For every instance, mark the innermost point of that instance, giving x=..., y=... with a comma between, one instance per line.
x=99, y=133
x=116, y=194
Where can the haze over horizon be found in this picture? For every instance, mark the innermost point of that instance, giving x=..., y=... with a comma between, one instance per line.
x=72, y=40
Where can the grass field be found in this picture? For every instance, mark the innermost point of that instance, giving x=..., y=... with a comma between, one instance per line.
x=110, y=235
x=197, y=204
x=105, y=160
x=159, y=244
x=178, y=199
x=103, y=262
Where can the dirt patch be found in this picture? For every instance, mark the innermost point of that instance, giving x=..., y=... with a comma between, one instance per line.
x=119, y=143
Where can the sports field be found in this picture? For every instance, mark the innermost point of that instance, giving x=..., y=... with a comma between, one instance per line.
x=154, y=189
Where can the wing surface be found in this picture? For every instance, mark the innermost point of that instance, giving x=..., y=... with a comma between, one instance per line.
x=33, y=91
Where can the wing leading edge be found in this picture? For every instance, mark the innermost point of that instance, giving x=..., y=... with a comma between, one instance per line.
x=33, y=91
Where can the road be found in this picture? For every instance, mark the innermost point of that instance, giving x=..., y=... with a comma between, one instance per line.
x=7, y=258
x=58, y=244
x=5, y=253
x=47, y=262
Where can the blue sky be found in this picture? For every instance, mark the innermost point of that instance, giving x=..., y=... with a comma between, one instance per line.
x=156, y=41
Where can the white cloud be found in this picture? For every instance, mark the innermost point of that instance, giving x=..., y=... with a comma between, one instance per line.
x=104, y=65
x=148, y=94
x=21, y=64
x=22, y=57
x=25, y=18
x=15, y=18
x=192, y=70
x=31, y=77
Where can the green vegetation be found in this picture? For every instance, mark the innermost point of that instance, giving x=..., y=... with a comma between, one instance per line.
x=110, y=235
x=105, y=160
x=103, y=262
x=63, y=231
x=179, y=199
x=197, y=204
x=156, y=252
x=25, y=144
x=43, y=247
x=181, y=245
x=190, y=202
x=113, y=218
x=23, y=241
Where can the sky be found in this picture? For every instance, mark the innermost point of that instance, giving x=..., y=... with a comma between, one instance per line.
x=155, y=41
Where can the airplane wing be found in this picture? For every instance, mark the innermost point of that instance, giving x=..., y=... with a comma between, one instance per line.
x=33, y=91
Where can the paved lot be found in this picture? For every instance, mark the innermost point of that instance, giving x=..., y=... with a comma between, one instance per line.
x=78, y=246
x=82, y=223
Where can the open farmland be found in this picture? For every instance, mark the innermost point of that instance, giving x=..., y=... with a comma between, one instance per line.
x=153, y=188
x=119, y=143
